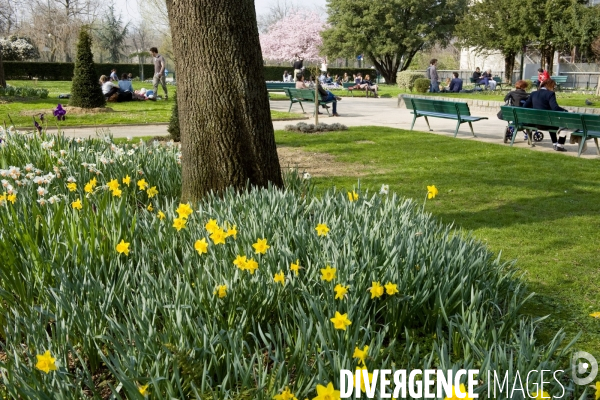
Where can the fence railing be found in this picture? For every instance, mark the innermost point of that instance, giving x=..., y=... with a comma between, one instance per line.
x=588, y=80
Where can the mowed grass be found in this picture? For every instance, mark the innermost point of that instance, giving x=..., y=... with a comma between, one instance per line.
x=540, y=209
x=128, y=113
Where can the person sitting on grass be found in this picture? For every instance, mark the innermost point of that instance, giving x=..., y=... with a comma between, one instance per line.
x=545, y=99
x=456, y=83
x=109, y=89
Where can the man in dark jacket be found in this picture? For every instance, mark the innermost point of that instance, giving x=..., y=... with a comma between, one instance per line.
x=328, y=97
x=545, y=99
x=455, y=84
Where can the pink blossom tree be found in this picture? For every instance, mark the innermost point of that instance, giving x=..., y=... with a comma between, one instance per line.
x=298, y=33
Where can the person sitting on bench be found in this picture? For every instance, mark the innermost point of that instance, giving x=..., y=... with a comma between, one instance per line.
x=545, y=99
x=367, y=84
x=328, y=97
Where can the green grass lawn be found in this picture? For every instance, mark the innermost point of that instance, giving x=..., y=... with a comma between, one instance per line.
x=541, y=209
x=129, y=113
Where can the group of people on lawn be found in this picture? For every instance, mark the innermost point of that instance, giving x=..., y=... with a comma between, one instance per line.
x=119, y=90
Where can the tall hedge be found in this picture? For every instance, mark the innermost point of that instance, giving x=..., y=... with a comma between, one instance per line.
x=17, y=70
x=85, y=90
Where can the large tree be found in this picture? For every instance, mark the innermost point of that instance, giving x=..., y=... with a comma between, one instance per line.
x=112, y=34
x=227, y=136
x=389, y=32
x=278, y=44
x=498, y=25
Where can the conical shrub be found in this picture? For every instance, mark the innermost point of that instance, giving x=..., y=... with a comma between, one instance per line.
x=85, y=90
x=173, y=128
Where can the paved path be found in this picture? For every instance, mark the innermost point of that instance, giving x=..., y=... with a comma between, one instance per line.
x=373, y=112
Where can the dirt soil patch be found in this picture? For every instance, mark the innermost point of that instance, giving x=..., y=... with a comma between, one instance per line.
x=321, y=164
x=70, y=111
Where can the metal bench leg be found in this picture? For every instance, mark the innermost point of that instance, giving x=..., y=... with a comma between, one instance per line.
x=413, y=123
x=301, y=106
x=471, y=126
x=514, y=135
x=291, y=104
x=426, y=120
x=457, y=126
x=597, y=147
x=581, y=146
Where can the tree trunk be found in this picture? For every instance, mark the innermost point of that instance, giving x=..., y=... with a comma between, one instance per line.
x=227, y=135
x=2, y=80
x=387, y=67
x=550, y=59
x=509, y=66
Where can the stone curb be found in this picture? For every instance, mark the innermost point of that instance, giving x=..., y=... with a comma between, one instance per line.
x=486, y=105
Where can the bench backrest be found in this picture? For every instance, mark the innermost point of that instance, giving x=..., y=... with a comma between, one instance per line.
x=439, y=106
x=302, y=94
x=346, y=85
x=280, y=85
x=591, y=122
x=559, y=78
x=530, y=116
x=497, y=79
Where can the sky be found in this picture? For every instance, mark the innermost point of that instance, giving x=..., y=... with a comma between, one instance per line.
x=130, y=11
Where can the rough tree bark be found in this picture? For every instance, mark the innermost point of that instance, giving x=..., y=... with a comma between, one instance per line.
x=2, y=80
x=227, y=136
x=509, y=66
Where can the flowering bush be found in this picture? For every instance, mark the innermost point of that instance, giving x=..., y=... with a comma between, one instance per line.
x=15, y=48
x=110, y=283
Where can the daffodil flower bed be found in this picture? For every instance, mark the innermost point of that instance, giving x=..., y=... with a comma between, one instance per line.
x=110, y=284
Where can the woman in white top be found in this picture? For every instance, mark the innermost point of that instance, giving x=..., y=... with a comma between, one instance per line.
x=108, y=88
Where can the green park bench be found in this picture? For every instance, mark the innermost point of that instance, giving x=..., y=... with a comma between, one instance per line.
x=528, y=119
x=559, y=79
x=279, y=86
x=441, y=109
x=305, y=96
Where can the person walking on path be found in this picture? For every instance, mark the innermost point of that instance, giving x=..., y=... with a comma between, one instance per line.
x=159, y=72
x=433, y=77
x=298, y=65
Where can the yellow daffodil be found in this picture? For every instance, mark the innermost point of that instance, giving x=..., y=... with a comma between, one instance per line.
x=463, y=390
x=142, y=184
x=328, y=274
x=431, y=192
x=152, y=192
x=179, y=223
x=340, y=291
x=77, y=204
x=361, y=354
x=93, y=182
x=117, y=192
x=340, y=321
x=352, y=196
x=113, y=185
x=218, y=236
x=240, y=262
x=45, y=362
x=211, y=225
x=279, y=278
x=221, y=291
x=322, y=230
x=123, y=247
x=362, y=380
x=2, y=198
x=89, y=188
x=201, y=246
x=261, y=246
x=126, y=180
x=285, y=395
x=251, y=265
x=184, y=210
x=161, y=215
x=143, y=390
x=150, y=208
x=376, y=290
x=595, y=314
x=537, y=395
x=327, y=392
x=597, y=390
x=391, y=288
x=295, y=267
x=12, y=198
x=231, y=231
x=72, y=186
